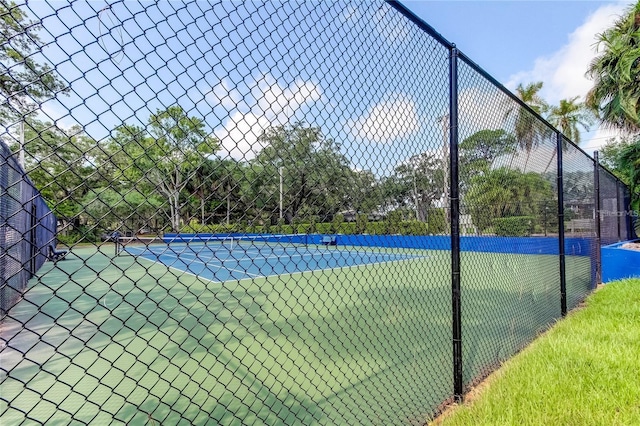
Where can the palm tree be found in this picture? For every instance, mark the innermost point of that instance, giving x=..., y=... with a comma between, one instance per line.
x=615, y=96
x=567, y=117
x=527, y=128
x=630, y=160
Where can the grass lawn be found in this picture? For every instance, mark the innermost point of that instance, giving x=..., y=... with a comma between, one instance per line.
x=584, y=371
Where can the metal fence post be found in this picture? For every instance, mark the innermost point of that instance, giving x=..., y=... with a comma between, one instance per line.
x=596, y=187
x=563, y=277
x=455, y=225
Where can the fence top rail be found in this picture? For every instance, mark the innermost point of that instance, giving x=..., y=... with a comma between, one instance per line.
x=441, y=39
x=420, y=23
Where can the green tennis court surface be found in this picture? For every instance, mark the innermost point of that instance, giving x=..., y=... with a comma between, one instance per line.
x=123, y=340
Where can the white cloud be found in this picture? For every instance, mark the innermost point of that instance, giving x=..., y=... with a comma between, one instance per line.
x=563, y=72
x=391, y=119
x=239, y=136
x=600, y=137
x=226, y=95
x=271, y=105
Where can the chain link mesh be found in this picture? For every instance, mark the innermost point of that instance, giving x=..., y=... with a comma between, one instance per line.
x=255, y=200
x=27, y=231
x=581, y=242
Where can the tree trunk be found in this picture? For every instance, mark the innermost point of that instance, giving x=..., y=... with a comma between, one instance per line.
x=202, y=210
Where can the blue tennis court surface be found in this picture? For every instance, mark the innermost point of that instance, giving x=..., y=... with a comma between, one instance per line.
x=219, y=263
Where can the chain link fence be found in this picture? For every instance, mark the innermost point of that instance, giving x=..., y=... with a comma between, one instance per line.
x=27, y=231
x=275, y=213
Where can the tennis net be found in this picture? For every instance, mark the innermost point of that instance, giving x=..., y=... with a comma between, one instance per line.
x=230, y=242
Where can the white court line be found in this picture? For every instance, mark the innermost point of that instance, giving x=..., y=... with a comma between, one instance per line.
x=252, y=276
x=205, y=264
x=359, y=265
x=317, y=253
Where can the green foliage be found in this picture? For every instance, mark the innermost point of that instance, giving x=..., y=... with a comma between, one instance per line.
x=82, y=234
x=362, y=221
x=615, y=96
x=163, y=157
x=623, y=158
x=316, y=176
x=414, y=227
x=516, y=226
x=416, y=184
x=630, y=162
x=113, y=210
x=375, y=228
x=504, y=193
x=568, y=115
x=24, y=82
x=393, y=221
x=336, y=223
x=55, y=160
x=479, y=151
x=197, y=228
x=436, y=221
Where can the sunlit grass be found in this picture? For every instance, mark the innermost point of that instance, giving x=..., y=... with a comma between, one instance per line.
x=584, y=371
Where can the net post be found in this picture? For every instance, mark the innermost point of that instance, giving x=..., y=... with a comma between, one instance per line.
x=561, y=242
x=456, y=301
x=596, y=188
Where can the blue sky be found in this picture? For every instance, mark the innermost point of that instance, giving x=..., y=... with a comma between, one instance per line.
x=371, y=80
x=525, y=41
x=505, y=37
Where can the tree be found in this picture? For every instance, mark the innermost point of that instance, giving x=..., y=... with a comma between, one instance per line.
x=61, y=164
x=118, y=208
x=420, y=180
x=479, y=151
x=615, y=96
x=228, y=179
x=506, y=192
x=630, y=161
x=622, y=157
x=610, y=157
x=160, y=158
x=566, y=117
x=364, y=196
x=23, y=82
x=315, y=174
x=180, y=145
x=527, y=128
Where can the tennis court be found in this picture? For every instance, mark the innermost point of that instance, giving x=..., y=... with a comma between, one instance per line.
x=237, y=258
x=142, y=342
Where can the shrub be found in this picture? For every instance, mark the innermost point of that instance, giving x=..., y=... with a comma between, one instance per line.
x=436, y=222
x=515, y=226
x=393, y=222
x=361, y=223
x=337, y=221
x=414, y=227
x=375, y=228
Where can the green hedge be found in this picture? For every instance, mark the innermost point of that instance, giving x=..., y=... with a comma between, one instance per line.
x=514, y=226
x=363, y=226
